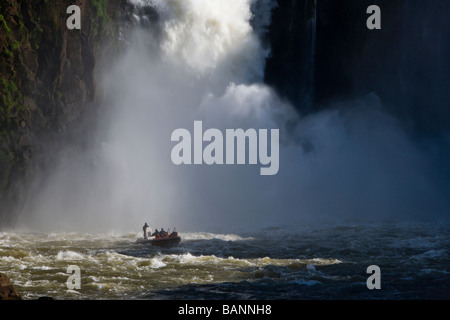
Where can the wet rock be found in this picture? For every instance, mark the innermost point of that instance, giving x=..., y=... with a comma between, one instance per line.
x=7, y=290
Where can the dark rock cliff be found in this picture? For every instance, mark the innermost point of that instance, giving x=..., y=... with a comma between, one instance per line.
x=330, y=55
x=47, y=88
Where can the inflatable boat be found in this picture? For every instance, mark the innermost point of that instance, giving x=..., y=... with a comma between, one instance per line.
x=169, y=240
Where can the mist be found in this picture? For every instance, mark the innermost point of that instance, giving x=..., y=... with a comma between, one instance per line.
x=205, y=61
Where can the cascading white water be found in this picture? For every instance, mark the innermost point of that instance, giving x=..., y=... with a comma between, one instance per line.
x=212, y=37
x=208, y=65
x=205, y=61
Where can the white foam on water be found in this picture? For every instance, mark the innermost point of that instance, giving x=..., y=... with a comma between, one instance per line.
x=69, y=255
x=230, y=261
x=157, y=263
x=109, y=272
x=43, y=268
x=211, y=236
x=73, y=292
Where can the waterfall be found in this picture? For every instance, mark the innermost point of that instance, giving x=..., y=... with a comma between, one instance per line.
x=189, y=60
x=200, y=60
x=312, y=59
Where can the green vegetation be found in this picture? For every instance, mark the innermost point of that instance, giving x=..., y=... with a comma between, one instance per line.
x=9, y=89
x=99, y=7
x=7, y=51
x=35, y=37
x=22, y=33
x=52, y=13
x=15, y=45
x=5, y=27
x=101, y=15
x=10, y=98
x=8, y=157
x=12, y=43
x=59, y=94
x=10, y=106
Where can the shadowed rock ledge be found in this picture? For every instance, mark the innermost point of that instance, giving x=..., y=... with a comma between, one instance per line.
x=7, y=290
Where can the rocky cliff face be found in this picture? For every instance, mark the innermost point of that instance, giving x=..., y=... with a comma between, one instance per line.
x=47, y=87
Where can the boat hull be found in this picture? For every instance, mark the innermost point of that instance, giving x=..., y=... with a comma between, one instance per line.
x=166, y=241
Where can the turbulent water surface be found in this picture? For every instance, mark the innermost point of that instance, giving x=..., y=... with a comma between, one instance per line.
x=187, y=60
x=327, y=262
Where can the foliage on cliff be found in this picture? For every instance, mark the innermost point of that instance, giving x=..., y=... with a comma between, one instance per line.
x=47, y=82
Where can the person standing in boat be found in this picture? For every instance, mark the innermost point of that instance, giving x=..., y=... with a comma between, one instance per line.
x=144, y=228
